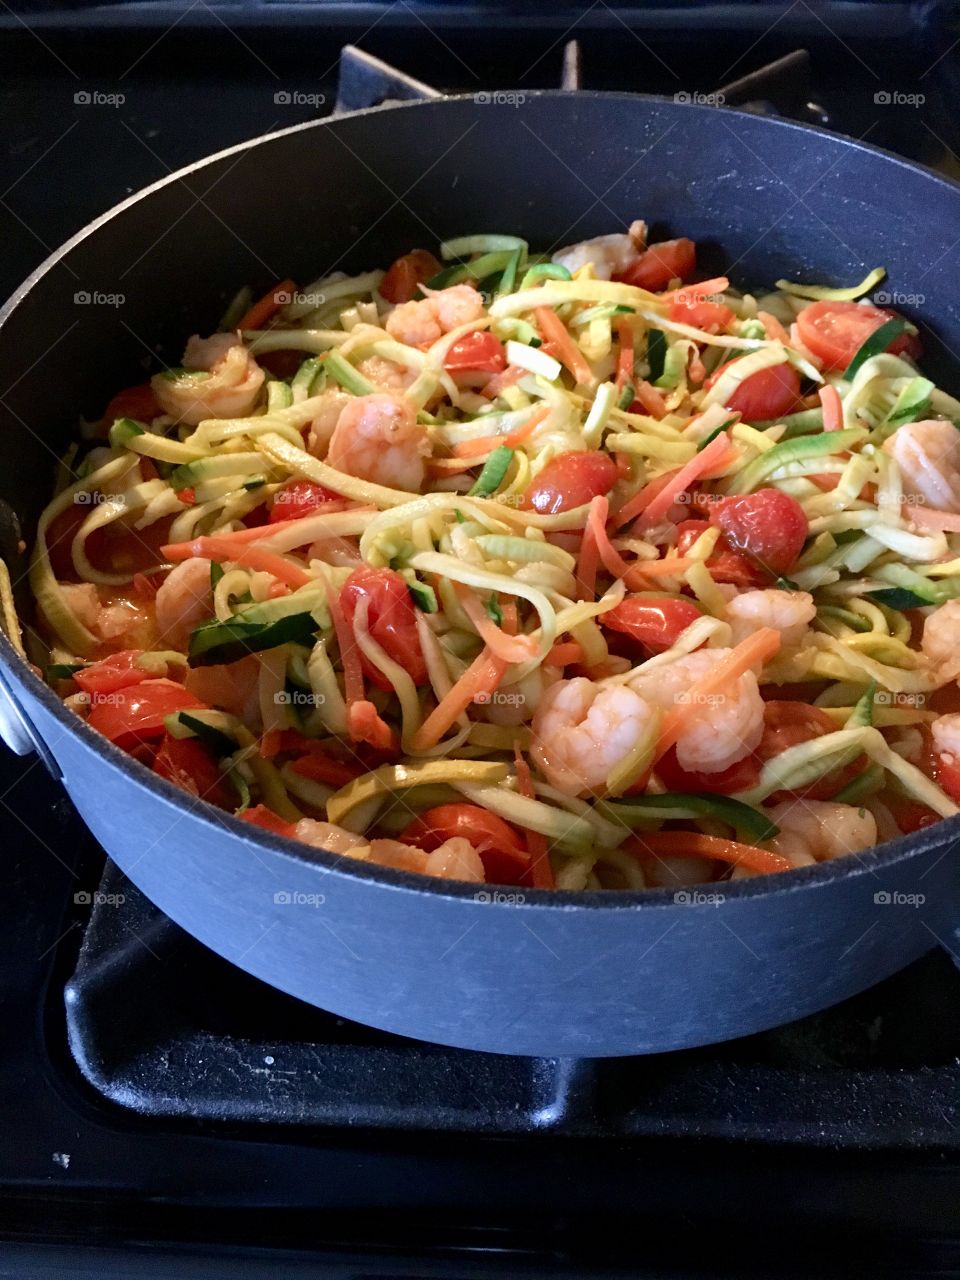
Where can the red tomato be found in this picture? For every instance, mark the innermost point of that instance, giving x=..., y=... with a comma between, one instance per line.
x=768, y=525
x=133, y=402
x=570, y=480
x=711, y=317
x=119, y=671
x=768, y=393
x=300, y=498
x=787, y=724
x=401, y=281
x=725, y=563
x=391, y=619
x=737, y=777
x=477, y=352
x=943, y=769
x=654, y=622
x=188, y=764
x=135, y=714
x=502, y=851
x=660, y=264
x=835, y=331
x=261, y=816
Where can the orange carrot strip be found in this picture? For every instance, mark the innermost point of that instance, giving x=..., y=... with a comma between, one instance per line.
x=568, y=353
x=651, y=399
x=223, y=548
x=774, y=328
x=500, y=381
x=540, y=867
x=643, y=497
x=753, y=651
x=832, y=408
x=626, y=356
x=509, y=648
x=270, y=743
x=479, y=448
x=588, y=562
x=564, y=653
x=688, y=474
x=261, y=311
x=349, y=654
x=643, y=571
x=511, y=621
x=453, y=466
x=694, y=844
x=931, y=519
x=613, y=561
x=479, y=680
x=697, y=292
x=366, y=725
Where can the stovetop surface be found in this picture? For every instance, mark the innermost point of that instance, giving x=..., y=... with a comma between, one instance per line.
x=153, y=1114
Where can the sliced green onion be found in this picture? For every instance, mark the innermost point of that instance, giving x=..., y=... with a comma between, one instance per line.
x=494, y=469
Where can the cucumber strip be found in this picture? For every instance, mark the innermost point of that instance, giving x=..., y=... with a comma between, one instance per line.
x=545, y=271
x=214, y=643
x=626, y=397
x=749, y=823
x=656, y=353
x=343, y=373
x=876, y=344
x=220, y=743
x=797, y=424
x=486, y=265
x=897, y=598
x=521, y=330
x=801, y=449
x=855, y=621
x=494, y=470
x=862, y=714
x=55, y=671
x=508, y=281
x=466, y=246
x=861, y=787
x=123, y=431
x=424, y=595
x=279, y=395
x=912, y=404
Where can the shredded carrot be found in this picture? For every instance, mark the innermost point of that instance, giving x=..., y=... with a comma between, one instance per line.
x=453, y=466
x=366, y=725
x=500, y=381
x=643, y=497
x=613, y=561
x=262, y=310
x=774, y=328
x=480, y=448
x=277, y=589
x=568, y=353
x=948, y=521
x=588, y=562
x=627, y=355
x=509, y=648
x=540, y=867
x=694, y=844
x=476, y=684
x=688, y=474
x=697, y=292
x=752, y=652
x=511, y=621
x=224, y=547
x=564, y=654
x=319, y=767
x=349, y=654
x=624, y=466
x=269, y=743
x=832, y=408
x=651, y=399
x=642, y=572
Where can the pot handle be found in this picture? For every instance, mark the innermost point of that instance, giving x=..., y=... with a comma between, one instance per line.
x=18, y=733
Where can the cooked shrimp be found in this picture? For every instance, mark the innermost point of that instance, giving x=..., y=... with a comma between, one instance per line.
x=387, y=374
x=184, y=600
x=946, y=734
x=233, y=688
x=721, y=731
x=322, y=427
x=116, y=620
x=379, y=439
x=608, y=255
x=668, y=872
x=583, y=731
x=818, y=830
x=928, y=455
x=455, y=859
x=222, y=381
x=422, y=322
x=941, y=638
x=788, y=612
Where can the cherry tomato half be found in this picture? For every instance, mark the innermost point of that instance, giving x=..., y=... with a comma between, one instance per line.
x=787, y=724
x=740, y=776
x=835, y=331
x=660, y=264
x=767, y=525
x=654, y=622
x=300, y=498
x=711, y=317
x=401, y=281
x=477, y=352
x=189, y=764
x=570, y=480
x=391, y=619
x=137, y=402
x=118, y=671
x=267, y=820
x=502, y=851
x=135, y=714
x=725, y=563
x=768, y=393
x=944, y=769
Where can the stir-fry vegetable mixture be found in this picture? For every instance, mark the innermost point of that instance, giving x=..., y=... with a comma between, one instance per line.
x=554, y=572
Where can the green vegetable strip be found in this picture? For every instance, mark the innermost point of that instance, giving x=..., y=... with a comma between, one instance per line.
x=491, y=477
x=343, y=373
x=877, y=343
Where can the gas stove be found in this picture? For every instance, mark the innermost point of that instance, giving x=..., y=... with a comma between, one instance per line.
x=165, y=1113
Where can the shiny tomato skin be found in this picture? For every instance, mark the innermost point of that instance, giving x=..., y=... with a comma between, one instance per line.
x=661, y=263
x=725, y=563
x=653, y=622
x=406, y=274
x=300, y=498
x=267, y=820
x=477, y=352
x=767, y=525
x=135, y=714
x=786, y=724
x=501, y=850
x=948, y=776
x=118, y=671
x=570, y=480
x=187, y=763
x=137, y=402
x=740, y=776
x=391, y=618
x=835, y=331
x=711, y=317
x=768, y=393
